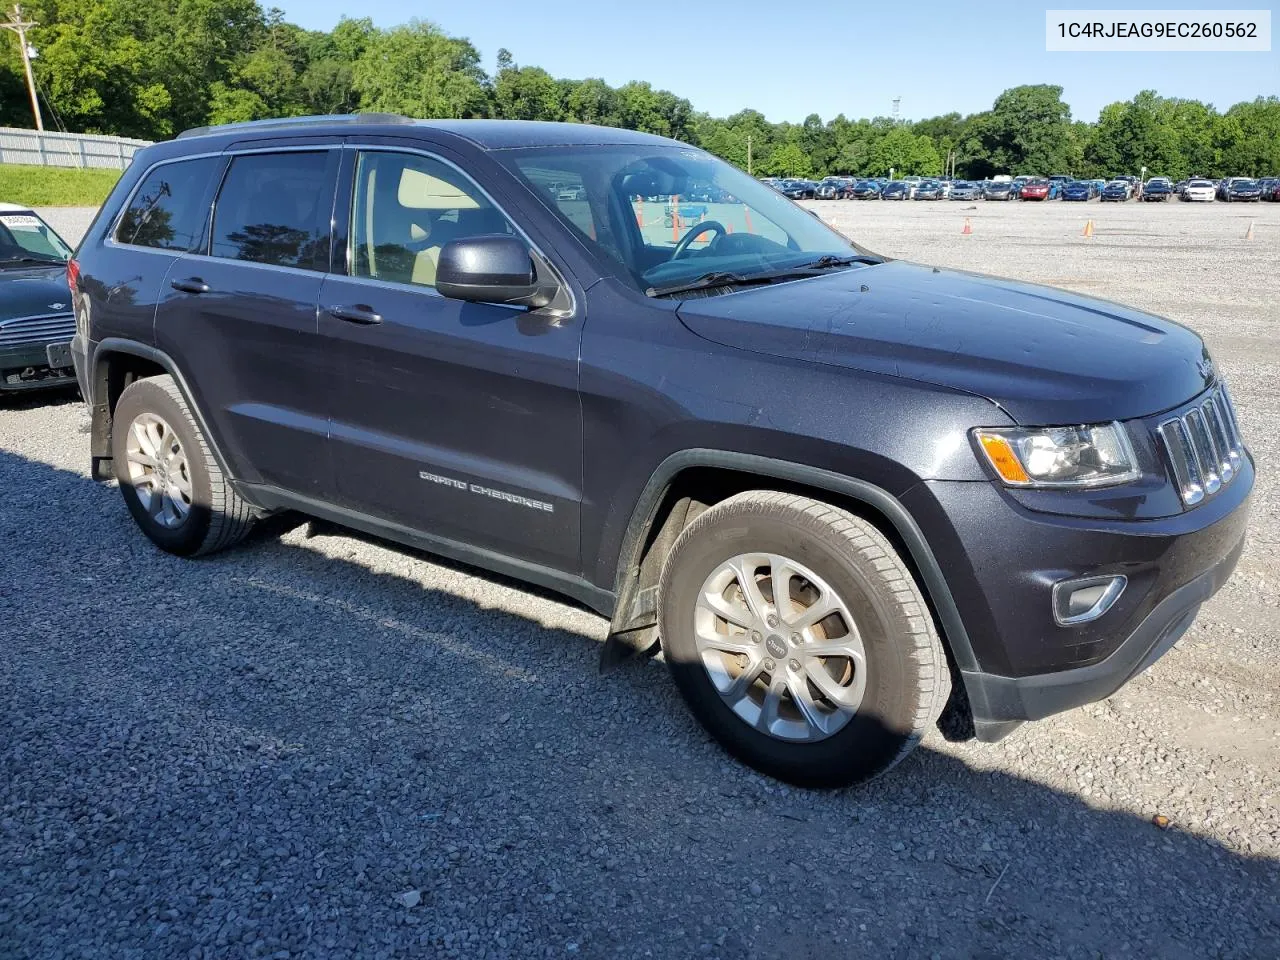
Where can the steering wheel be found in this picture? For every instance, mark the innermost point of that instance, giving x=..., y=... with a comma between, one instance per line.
x=698, y=230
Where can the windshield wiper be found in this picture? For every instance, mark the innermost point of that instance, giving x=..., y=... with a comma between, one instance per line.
x=31, y=259
x=723, y=278
x=830, y=260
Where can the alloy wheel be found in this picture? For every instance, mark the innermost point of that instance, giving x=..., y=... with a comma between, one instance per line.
x=780, y=646
x=158, y=471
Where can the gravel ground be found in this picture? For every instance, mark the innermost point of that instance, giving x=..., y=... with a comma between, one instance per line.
x=328, y=747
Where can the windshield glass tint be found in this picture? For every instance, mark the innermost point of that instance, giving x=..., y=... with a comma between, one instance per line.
x=26, y=235
x=668, y=215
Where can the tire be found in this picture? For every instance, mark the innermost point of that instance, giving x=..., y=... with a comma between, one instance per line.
x=215, y=517
x=896, y=693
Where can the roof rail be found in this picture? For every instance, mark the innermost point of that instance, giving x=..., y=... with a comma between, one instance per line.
x=287, y=123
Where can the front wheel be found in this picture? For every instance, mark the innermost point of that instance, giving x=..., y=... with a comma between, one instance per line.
x=800, y=640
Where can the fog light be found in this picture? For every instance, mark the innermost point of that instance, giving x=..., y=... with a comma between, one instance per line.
x=1085, y=599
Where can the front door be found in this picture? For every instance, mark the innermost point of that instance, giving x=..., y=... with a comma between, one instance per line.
x=460, y=420
x=240, y=318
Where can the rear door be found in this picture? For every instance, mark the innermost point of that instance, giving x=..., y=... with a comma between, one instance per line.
x=164, y=218
x=457, y=419
x=239, y=317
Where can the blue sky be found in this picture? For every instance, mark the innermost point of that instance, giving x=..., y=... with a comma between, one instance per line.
x=790, y=60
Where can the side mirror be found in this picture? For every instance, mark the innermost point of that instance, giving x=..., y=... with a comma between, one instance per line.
x=492, y=268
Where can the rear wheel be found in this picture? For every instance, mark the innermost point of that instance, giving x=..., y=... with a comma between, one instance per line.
x=168, y=476
x=800, y=640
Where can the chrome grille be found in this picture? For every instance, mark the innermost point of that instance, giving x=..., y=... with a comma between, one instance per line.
x=55, y=329
x=1203, y=446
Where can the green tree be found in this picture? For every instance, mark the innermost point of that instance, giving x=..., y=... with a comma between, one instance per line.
x=1028, y=131
x=788, y=160
x=905, y=153
x=420, y=71
x=525, y=93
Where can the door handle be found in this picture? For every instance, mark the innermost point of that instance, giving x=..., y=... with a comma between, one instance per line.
x=361, y=313
x=190, y=285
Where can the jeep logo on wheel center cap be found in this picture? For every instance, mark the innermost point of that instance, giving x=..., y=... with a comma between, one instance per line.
x=776, y=646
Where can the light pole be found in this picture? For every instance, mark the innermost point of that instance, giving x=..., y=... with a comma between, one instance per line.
x=20, y=27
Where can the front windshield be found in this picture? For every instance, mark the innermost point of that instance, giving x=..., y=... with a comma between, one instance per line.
x=642, y=207
x=25, y=238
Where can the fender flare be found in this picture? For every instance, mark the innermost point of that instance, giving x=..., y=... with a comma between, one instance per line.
x=885, y=503
x=112, y=345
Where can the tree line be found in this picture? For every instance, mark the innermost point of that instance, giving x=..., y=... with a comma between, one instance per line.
x=151, y=68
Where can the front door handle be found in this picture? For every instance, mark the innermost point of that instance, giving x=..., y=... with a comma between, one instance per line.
x=190, y=285
x=361, y=313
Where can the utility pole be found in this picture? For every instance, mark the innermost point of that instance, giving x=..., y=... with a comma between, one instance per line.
x=748, y=154
x=20, y=27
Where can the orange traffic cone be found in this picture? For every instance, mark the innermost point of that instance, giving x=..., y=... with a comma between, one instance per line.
x=1088, y=229
x=1248, y=234
x=968, y=228
x=639, y=206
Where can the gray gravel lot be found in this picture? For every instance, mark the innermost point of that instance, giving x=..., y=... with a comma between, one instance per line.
x=329, y=747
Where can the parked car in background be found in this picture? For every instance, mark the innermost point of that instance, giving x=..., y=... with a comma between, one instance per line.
x=928, y=190
x=1117, y=190
x=1059, y=180
x=1135, y=184
x=896, y=190
x=36, y=320
x=1018, y=181
x=1199, y=191
x=1037, y=188
x=965, y=190
x=835, y=188
x=1157, y=188
x=319, y=315
x=999, y=190
x=1240, y=190
x=1079, y=191
x=1270, y=189
x=794, y=189
x=867, y=190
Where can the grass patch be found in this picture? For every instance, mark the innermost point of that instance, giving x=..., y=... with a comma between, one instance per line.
x=55, y=186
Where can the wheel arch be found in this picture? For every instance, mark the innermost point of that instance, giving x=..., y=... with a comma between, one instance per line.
x=688, y=481
x=118, y=362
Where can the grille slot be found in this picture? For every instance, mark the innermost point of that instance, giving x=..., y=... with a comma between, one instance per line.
x=53, y=329
x=1203, y=447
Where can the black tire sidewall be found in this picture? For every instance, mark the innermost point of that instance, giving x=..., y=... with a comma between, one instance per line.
x=874, y=738
x=142, y=397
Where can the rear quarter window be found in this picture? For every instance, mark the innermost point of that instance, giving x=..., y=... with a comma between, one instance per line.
x=167, y=211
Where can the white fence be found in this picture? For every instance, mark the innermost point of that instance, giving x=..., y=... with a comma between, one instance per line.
x=66, y=149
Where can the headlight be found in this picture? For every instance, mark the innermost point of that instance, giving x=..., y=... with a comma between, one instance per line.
x=1085, y=456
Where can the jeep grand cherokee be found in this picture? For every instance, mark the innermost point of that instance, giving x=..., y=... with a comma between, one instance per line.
x=840, y=492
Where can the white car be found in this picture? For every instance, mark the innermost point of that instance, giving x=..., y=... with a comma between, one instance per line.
x=1199, y=190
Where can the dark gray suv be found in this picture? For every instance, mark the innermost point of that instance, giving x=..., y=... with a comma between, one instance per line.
x=845, y=496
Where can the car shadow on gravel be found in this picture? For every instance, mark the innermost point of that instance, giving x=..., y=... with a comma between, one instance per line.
x=282, y=750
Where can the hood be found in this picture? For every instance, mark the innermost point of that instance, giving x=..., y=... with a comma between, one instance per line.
x=34, y=292
x=1045, y=355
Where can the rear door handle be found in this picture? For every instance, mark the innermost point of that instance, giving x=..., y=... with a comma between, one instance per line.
x=361, y=313
x=190, y=285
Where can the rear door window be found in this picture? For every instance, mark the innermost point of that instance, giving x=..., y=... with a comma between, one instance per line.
x=169, y=210
x=275, y=208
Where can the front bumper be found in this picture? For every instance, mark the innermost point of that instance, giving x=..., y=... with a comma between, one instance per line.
x=1001, y=561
